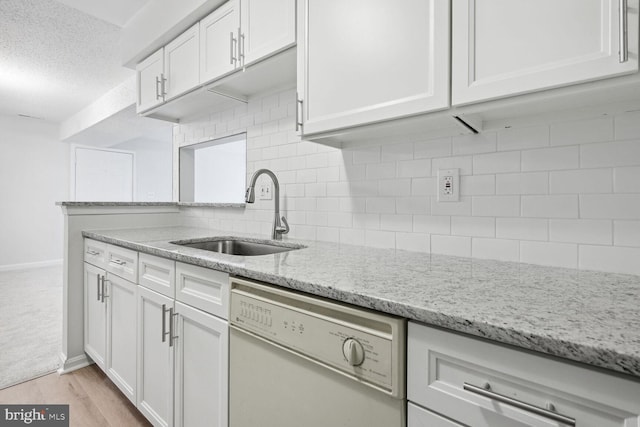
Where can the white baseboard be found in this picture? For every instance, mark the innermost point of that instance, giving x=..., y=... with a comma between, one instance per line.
x=29, y=265
x=73, y=364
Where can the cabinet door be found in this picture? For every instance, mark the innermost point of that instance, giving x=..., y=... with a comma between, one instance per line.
x=154, y=358
x=366, y=61
x=120, y=297
x=420, y=417
x=219, y=41
x=182, y=63
x=505, y=47
x=149, y=75
x=201, y=368
x=267, y=27
x=95, y=313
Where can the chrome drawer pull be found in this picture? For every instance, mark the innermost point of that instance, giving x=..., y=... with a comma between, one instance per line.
x=118, y=261
x=486, y=392
x=92, y=252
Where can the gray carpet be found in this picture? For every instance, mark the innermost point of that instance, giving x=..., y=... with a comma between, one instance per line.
x=30, y=323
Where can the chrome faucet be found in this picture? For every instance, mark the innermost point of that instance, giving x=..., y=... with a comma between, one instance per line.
x=250, y=197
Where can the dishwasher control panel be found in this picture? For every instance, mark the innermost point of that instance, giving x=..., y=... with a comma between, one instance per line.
x=357, y=342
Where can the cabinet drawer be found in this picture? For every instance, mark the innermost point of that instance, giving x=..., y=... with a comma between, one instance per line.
x=443, y=367
x=158, y=274
x=203, y=288
x=122, y=262
x=420, y=417
x=95, y=253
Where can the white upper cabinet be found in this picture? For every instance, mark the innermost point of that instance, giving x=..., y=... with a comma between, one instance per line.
x=506, y=47
x=150, y=75
x=182, y=63
x=366, y=61
x=219, y=41
x=266, y=27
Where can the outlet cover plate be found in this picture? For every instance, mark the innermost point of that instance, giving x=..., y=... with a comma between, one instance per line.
x=448, y=185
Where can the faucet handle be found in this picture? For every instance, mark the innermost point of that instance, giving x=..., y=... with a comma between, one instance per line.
x=285, y=229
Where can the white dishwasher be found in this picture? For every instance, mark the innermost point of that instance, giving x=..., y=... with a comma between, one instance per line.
x=297, y=360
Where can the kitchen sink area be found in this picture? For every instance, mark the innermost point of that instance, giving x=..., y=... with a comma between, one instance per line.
x=238, y=246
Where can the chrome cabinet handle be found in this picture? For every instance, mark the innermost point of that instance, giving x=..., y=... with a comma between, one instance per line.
x=158, y=82
x=98, y=288
x=488, y=393
x=171, y=330
x=118, y=261
x=92, y=252
x=164, y=323
x=298, y=113
x=232, y=45
x=103, y=295
x=164, y=85
x=623, y=53
x=240, y=48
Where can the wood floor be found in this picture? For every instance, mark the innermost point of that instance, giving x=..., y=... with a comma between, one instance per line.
x=93, y=399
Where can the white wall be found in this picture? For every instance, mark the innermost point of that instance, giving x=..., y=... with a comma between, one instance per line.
x=154, y=169
x=34, y=170
x=565, y=194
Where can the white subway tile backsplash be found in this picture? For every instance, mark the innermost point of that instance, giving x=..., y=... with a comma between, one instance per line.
x=414, y=168
x=613, y=206
x=484, y=142
x=496, y=163
x=563, y=194
x=432, y=148
x=473, y=226
x=366, y=220
x=582, y=131
x=626, y=233
x=522, y=228
x=464, y=163
x=610, y=154
x=396, y=222
x=552, y=254
x=451, y=245
x=413, y=205
x=394, y=187
x=550, y=206
x=523, y=183
x=379, y=239
x=381, y=170
x=588, y=231
x=627, y=126
x=477, y=185
x=503, y=250
x=417, y=242
x=582, y=181
x=393, y=152
x=610, y=258
x=523, y=138
x=432, y=224
x=495, y=206
x=461, y=208
x=627, y=179
x=547, y=159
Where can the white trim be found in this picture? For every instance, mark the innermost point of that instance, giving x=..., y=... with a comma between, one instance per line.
x=73, y=364
x=29, y=265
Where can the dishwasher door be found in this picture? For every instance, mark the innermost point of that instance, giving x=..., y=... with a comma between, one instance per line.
x=272, y=386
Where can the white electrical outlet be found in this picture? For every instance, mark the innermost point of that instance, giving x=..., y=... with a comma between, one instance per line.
x=448, y=185
x=265, y=191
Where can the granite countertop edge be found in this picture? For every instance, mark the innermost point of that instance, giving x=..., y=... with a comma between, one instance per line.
x=594, y=355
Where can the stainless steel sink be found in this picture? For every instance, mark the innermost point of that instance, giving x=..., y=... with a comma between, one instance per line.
x=232, y=246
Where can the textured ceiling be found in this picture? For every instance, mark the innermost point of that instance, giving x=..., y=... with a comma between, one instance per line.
x=55, y=59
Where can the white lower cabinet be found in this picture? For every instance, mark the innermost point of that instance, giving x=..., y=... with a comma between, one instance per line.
x=110, y=310
x=453, y=379
x=155, y=357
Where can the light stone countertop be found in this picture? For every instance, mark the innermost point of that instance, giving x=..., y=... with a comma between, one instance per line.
x=585, y=316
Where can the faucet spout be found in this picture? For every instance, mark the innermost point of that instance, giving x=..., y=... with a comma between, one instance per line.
x=250, y=197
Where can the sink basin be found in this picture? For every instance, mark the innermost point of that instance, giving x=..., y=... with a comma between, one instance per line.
x=232, y=246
